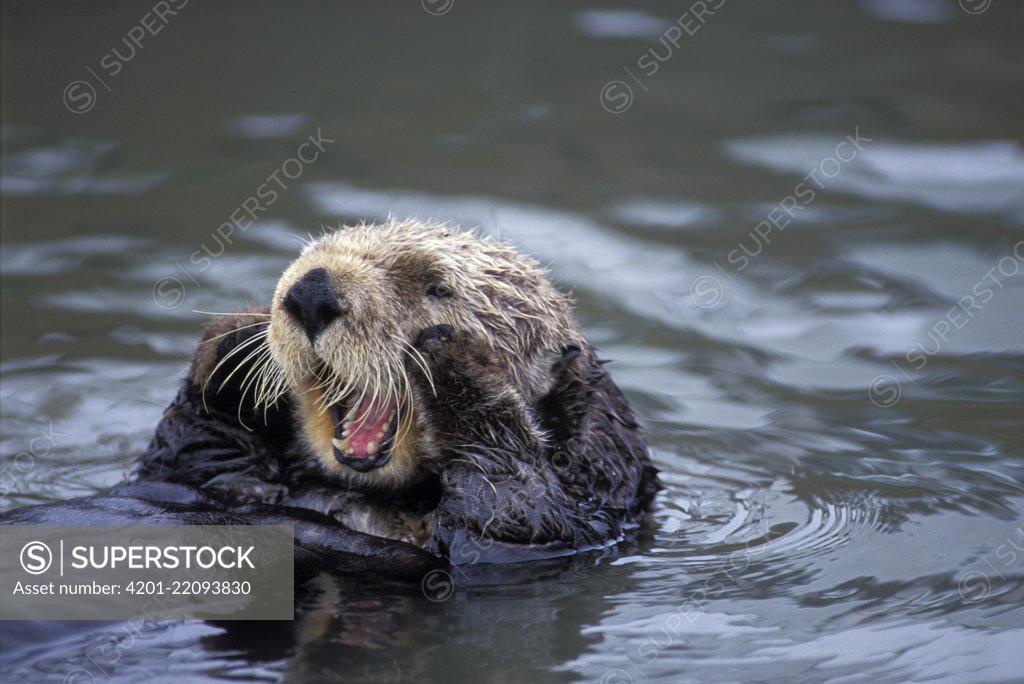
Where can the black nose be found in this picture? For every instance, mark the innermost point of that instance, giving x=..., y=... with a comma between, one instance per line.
x=312, y=302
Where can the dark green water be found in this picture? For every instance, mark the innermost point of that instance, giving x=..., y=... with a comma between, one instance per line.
x=825, y=339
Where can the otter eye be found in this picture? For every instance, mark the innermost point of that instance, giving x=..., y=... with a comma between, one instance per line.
x=440, y=290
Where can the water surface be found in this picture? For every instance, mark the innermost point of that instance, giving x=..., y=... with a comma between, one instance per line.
x=799, y=238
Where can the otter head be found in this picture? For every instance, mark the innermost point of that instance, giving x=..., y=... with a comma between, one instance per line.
x=347, y=312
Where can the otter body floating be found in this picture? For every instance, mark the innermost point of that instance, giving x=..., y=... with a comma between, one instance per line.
x=413, y=396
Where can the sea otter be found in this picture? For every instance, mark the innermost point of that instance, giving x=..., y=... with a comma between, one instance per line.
x=414, y=395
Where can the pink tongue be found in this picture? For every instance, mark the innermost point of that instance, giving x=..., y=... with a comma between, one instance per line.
x=369, y=420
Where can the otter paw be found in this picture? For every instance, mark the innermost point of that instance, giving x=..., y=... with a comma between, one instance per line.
x=223, y=337
x=239, y=336
x=433, y=338
x=457, y=369
x=226, y=360
x=454, y=353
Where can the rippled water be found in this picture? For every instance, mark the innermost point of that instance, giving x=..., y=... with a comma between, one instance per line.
x=835, y=400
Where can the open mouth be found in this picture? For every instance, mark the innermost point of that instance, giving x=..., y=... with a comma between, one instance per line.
x=364, y=432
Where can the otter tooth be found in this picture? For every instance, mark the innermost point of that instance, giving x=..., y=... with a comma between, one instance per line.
x=371, y=448
x=380, y=434
x=340, y=444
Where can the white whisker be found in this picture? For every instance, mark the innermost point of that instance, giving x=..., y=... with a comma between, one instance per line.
x=258, y=337
x=231, y=313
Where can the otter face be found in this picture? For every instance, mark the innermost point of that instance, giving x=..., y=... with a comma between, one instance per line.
x=344, y=318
